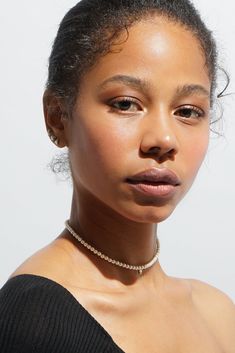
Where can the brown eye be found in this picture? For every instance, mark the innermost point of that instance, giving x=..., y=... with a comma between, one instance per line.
x=125, y=105
x=189, y=112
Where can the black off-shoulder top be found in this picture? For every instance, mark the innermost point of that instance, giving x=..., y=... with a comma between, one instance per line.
x=38, y=315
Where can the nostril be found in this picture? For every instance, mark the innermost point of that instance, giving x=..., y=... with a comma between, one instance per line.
x=154, y=150
x=169, y=155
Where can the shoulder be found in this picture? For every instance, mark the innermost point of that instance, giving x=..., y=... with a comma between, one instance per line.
x=27, y=297
x=35, y=296
x=210, y=294
x=39, y=315
x=25, y=313
x=217, y=309
x=54, y=261
x=36, y=313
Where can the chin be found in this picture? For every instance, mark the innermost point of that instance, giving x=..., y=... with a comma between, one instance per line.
x=151, y=214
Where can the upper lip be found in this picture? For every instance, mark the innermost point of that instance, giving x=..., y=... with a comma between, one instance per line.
x=156, y=175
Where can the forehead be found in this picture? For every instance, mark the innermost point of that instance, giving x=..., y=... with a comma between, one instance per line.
x=158, y=51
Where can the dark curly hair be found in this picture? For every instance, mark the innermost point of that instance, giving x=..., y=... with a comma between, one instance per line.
x=91, y=27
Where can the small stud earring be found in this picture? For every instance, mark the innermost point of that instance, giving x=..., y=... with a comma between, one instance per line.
x=52, y=137
x=56, y=141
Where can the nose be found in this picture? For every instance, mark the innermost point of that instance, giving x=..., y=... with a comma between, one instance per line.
x=159, y=138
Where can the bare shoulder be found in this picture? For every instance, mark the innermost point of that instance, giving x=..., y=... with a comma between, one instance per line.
x=207, y=292
x=52, y=261
x=218, y=310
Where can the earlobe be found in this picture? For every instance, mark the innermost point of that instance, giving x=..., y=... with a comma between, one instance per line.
x=54, y=114
x=53, y=138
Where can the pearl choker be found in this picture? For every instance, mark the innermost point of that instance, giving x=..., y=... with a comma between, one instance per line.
x=138, y=268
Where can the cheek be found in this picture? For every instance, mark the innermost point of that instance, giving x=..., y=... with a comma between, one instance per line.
x=107, y=146
x=195, y=153
x=97, y=151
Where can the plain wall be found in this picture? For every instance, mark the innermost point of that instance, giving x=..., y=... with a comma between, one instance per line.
x=198, y=239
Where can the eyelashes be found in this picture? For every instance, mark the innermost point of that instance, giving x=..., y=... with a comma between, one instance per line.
x=189, y=112
x=127, y=105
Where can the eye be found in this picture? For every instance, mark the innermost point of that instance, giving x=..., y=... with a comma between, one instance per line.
x=125, y=104
x=189, y=112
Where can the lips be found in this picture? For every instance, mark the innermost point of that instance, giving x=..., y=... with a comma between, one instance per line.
x=156, y=183
x=155, y=176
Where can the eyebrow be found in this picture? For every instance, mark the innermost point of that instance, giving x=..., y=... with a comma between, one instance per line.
x=191, y=89
x=131, y=81
x=142, y=85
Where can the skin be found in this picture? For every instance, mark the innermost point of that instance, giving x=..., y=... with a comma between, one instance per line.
x=166, y=125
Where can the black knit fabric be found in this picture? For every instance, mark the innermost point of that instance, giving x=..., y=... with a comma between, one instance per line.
x=37, y=315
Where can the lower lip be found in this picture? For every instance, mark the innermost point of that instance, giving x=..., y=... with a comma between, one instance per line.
x=161, y=190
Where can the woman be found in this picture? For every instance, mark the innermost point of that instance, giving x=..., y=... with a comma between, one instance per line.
x=129, y=92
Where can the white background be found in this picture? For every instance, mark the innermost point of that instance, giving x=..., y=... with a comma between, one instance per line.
x=196, y=242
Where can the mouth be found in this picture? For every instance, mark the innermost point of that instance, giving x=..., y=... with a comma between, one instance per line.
x=155, y=176
x=155, y=182
x=148, y=182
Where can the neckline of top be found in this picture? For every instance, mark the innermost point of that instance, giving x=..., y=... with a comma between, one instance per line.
x=71, y=297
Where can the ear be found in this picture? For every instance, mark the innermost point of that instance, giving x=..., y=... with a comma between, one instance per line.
x=55, y=118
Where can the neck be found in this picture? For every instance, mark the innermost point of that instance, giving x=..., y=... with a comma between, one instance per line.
x=117, y=237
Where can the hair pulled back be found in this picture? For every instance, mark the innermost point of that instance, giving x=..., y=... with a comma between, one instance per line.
x=91, y=27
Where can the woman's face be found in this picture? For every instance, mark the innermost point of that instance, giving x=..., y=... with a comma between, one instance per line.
x=142, y=107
